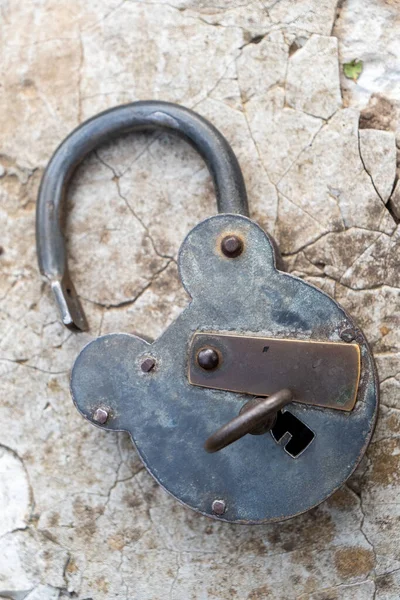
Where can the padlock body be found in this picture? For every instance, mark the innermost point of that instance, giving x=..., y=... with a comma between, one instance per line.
x=169, y=416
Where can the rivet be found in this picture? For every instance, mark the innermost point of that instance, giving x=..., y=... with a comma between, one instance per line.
x=147, y=365
x=100, y=415
x=208, y=359
x=218, y=507
x=348, y=335
x=232, y=246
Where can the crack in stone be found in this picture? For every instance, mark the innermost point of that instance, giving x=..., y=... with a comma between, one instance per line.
x=354, y=262
x=223, y=76
x=116, y=180
x=106, y=16
x=339, y=586
x=389, y=211
x=243, y=103
x=178, y=567
x=129, y=301
x=22, y=363
x=80, y=67
x=359, y=498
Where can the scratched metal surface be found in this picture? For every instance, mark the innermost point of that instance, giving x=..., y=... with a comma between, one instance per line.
x=169, y=419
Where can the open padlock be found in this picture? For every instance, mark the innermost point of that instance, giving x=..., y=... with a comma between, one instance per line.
x=260, y=400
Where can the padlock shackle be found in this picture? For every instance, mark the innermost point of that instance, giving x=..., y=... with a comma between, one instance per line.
x=138, y=116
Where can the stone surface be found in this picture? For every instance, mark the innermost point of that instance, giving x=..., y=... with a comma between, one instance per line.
x=79, y=517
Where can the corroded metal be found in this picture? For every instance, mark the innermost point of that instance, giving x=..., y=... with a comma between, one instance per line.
x=100, y=415
x=318, y=373
x=232, y=246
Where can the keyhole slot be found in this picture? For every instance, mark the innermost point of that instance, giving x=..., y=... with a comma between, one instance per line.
x=291, y=433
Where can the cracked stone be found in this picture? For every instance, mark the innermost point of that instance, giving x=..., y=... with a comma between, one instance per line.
x=43, y=592
x=262, y=66
x=80, y=516
x=357, y=258
x=378, y=153
x=313, y=84
x=324, y=180
x=131, y=31
x=312, y=16
x=280, y=133
x=27, y=558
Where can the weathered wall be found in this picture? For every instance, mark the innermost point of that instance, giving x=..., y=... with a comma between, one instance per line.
x=79, y=517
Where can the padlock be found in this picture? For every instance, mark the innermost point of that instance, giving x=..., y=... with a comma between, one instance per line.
x=260, y=399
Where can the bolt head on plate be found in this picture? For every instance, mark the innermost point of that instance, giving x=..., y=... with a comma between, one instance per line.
x=100, y=415
x=348, y=335
x=232, y=246
x=208, y=359
x=148, y=365
x=218, y=507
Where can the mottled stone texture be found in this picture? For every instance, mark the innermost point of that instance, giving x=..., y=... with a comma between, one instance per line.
x=79, y=517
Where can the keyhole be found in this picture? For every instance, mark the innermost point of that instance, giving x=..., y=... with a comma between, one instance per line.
x=291, y=433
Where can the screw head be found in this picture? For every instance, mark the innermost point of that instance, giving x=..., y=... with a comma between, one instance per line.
x=348, y=335
x=147, y=365
x=232, y=246
x=208, y=359
x=218, y=507
x=100, y=415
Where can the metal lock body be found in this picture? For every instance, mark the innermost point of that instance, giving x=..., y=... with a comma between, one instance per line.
x=260, y=400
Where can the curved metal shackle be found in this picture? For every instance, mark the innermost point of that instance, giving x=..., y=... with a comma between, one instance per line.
x=137, y=116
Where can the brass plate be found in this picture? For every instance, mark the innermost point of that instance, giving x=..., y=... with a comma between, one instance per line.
x=318, y=373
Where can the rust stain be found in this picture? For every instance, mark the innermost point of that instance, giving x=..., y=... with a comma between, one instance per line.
x=315, y=529
x=54, y=519
x=380, y=113
x=255, y=546
x=385, y=459
x=353, y=561
x=384, y=330
x=116, y=542
x=393, y=423
x=102, y=585
x=343, y=499
x=259, y=593
x=387, y=584
x=54, y=386
x=131, y=500
x=72, y=567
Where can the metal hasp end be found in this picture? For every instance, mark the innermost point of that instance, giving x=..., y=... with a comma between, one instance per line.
x=137, y=116
x=72, y=315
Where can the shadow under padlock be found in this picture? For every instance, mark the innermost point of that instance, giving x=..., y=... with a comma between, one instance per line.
x=256, y=351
